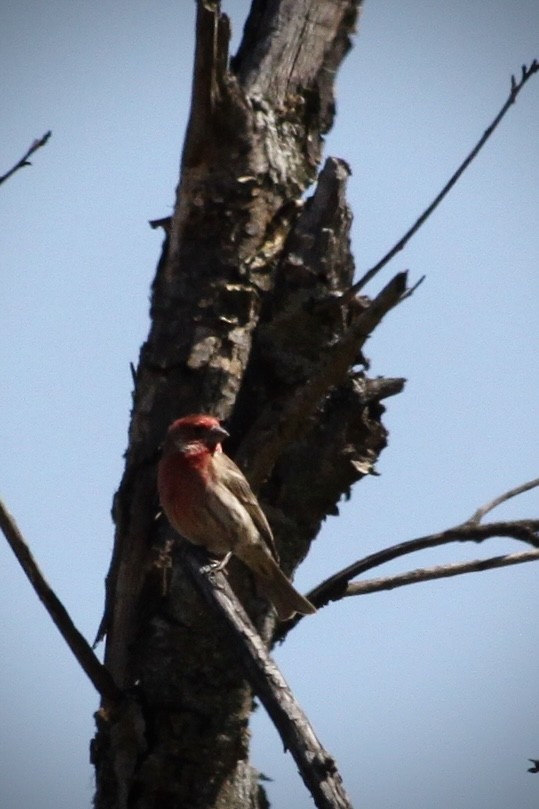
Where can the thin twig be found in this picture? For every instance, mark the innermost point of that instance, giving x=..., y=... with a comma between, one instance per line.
x=410, y=292
x=334, y=588
x=317, y=768
x=516, y=87
x=357, y=588
x=480, y=513
x=37, y=144
x=97, y=673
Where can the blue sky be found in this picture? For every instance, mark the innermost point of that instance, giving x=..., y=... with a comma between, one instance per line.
x=425, y=695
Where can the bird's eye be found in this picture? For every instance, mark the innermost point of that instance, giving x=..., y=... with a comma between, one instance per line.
x=198, y=430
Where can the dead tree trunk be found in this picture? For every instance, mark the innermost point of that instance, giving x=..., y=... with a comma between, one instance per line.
x=247, y=325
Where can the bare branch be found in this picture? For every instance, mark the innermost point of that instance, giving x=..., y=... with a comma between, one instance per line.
x=516, y=87
x=439, y=572
x=37, y=144
x=97, y=673
x=480, y=513
x=338, y=586
x=410, y=292
x=335, y=587
x=317, y=768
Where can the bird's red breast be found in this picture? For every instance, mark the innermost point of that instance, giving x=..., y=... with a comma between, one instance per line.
x=182, y=480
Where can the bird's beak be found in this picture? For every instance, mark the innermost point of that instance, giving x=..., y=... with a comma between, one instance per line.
x=219, y=434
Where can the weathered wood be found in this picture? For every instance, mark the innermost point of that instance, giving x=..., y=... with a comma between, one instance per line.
x=243, y=317
x=315, y=765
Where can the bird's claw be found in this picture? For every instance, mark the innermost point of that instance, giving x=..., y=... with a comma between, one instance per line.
x=216, y=565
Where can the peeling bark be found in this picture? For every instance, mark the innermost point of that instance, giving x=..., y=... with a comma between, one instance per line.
x=245, y=324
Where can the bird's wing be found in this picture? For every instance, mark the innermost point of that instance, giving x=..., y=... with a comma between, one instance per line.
x=238, y=485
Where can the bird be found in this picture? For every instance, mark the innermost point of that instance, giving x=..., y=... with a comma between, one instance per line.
x=535, y=763
x=209, y=502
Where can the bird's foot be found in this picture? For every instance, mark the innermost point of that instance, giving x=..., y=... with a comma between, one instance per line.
x=217, y=565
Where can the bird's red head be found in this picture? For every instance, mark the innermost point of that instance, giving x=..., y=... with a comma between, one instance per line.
x=194, y=431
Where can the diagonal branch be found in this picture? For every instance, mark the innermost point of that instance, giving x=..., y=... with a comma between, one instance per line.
x=357, y=588
x=480, y=513
x=97, y=673
x=516, y=87
x=37, y=144
x=338, y=585
x=334, y=588
x=317, y=768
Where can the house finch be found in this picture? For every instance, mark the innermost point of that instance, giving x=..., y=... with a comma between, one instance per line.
x=209, y=502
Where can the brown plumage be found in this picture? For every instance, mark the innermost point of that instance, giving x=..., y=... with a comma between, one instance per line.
x=208, y=501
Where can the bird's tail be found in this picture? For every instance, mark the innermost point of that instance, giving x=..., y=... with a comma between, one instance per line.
x=278, y=588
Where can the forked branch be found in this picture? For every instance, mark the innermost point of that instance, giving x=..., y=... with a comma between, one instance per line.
x=516, y=87
x=339, y=584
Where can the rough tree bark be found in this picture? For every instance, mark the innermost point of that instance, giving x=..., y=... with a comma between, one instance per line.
x=246, y=324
